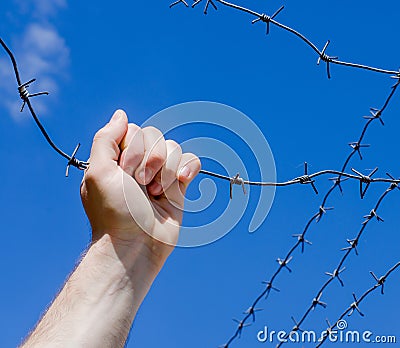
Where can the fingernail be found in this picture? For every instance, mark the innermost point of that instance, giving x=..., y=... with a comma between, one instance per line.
x=185, y=172
x=117, y=116
x=148, y=174
x=141, y=176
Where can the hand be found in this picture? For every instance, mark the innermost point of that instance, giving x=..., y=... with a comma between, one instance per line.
x=133, y=190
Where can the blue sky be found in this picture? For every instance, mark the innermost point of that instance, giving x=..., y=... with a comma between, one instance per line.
x=144, y=57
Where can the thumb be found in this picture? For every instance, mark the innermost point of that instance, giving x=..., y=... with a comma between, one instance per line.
x=105, y=147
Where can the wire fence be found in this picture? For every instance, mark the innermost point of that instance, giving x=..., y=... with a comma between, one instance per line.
x=380, y=283
x=335, y=274
x=364, y=180
x=376, y=114
x=301, y=241
x=364, y=183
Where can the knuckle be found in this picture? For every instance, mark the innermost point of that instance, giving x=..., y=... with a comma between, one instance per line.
x=172, y=143
x=134, y=127
x=100, y=134
x=91, y=176
x=154, y=138
x=152, y=129
x=153, y=133
x=173, y=146
x=137, y=139
x=134, y=139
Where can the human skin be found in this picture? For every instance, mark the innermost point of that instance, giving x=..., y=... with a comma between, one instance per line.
x=133, y=195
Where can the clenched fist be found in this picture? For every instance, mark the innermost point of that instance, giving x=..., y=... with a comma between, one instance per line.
x=134, y=188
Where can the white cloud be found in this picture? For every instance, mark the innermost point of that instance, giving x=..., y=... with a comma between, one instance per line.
x=41, y=53
x=41, y=8
x=49, y=7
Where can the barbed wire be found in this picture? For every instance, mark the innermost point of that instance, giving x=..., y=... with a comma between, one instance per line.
x=364, y=180
x=268, y=20
x=236, y=180
x=322, y=210
x=25, y=96
x=322, y=56
x=335, y=274
x=307, y=179
x=354, y=306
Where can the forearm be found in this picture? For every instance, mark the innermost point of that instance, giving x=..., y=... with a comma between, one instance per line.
x=134, y=231
x=98, y=303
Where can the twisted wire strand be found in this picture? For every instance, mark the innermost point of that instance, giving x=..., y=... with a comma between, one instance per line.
x=376, y=114
x=322, y=210
x=354, y=307
x=353, y=243
x=271, y=20
x=24, y=94
x=321, y=56
x=306, y=179
x=73, y=161
x=303, y=179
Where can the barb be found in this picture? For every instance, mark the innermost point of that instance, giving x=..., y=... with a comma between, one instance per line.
x=267, y=19
x=237, y=180
x=177, y=2
x=341, y=175
x=364, y=179
x=322, y=210
x=322, y=55
x=307, y=179
x=355, y=305
x=340, y=267
x=25, y=96
x=208, y=3
x=73, y=161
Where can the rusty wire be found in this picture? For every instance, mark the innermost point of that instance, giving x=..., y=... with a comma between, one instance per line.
x=354, y=306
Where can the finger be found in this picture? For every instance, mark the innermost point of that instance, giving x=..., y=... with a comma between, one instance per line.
x=154, y=156
x=188, y=169
x=132, y=147
x=167, y=175
x=105, y=148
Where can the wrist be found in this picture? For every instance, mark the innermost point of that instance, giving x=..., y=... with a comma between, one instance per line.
x=139, y=257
